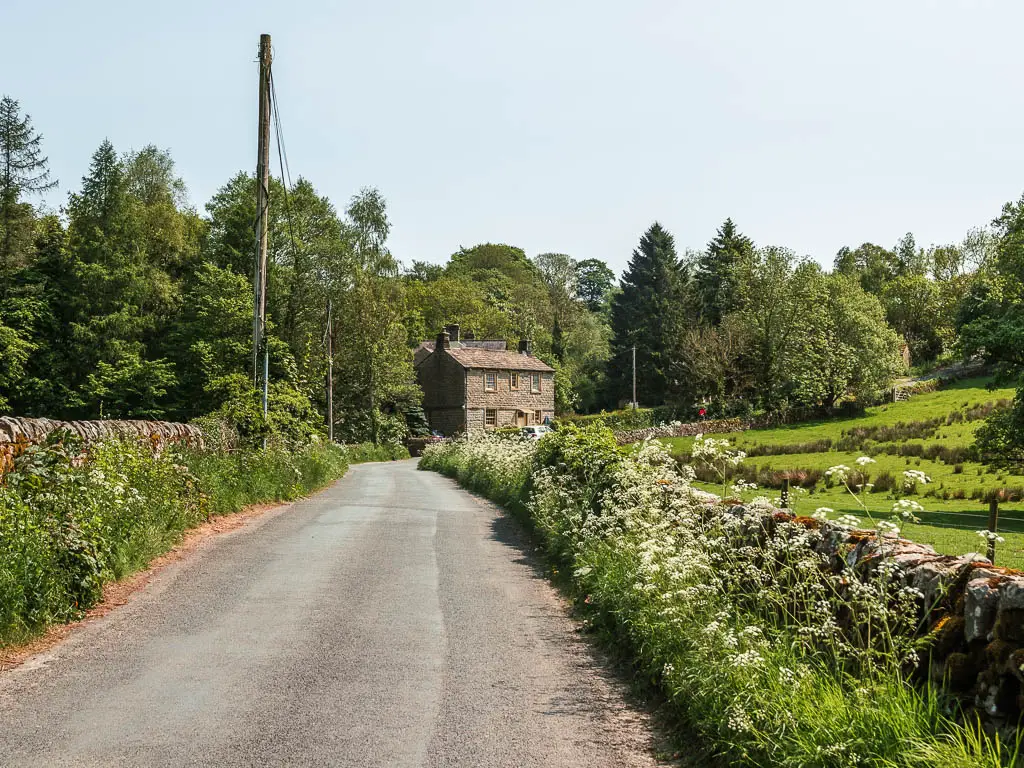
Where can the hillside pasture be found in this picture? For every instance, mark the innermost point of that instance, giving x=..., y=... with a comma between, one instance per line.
x=932, y=432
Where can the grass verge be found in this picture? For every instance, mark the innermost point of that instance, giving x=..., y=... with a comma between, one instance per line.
x=67, y=527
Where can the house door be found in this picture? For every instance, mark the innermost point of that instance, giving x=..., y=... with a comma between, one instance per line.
x=522, y=419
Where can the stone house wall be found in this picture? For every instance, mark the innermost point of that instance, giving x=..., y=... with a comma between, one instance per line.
x=455, y=400
x=507, y=401
x=443, y=381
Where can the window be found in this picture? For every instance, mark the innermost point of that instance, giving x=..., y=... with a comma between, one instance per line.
x=490, y=417
x=538, y=417
x=535, y=382
x=513, y=380
x=490, y=381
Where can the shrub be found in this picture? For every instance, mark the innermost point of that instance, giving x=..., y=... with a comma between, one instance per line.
x=785, y=449
x=291, y=419
x=773, y=478
x=364, y=452
x=884, y=482
x=898, y=433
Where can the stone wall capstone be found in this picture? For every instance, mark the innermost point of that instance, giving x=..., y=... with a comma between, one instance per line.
x=16, y=433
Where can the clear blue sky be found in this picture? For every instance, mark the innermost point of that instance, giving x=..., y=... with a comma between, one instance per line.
x=559, y=126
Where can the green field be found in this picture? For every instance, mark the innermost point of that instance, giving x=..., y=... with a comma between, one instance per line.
x=949, y=523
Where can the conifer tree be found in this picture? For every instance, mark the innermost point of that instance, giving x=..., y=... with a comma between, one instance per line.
x=646, y=315
x=23, y=171
x=716, y=278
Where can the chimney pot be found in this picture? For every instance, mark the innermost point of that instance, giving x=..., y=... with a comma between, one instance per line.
x=525, y=347
x=443, y=341
x=453, y=331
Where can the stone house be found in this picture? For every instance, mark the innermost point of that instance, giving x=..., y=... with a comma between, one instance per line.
x=469, y=384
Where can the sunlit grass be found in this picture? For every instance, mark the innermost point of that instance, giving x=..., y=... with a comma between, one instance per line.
x=949, y=524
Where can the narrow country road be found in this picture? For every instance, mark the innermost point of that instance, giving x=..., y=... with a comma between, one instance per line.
x=391, y=620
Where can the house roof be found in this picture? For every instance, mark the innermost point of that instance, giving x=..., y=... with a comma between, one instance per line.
x=475, y=357
x=485, y=353
x=492, y=344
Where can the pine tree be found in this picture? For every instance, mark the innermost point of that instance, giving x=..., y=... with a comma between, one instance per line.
x=120, y=300
x=716, y=279
x=645, y=315
x=23, y=171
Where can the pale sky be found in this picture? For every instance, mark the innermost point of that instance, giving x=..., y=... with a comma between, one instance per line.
x=555, y=125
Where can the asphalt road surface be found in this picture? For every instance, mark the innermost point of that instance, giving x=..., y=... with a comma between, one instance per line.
x=391, y=620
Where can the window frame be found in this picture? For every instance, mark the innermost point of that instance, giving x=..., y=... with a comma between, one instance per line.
x=514, y=380
x=491, y=417
x=538, y=417
x=535, y=377
x=489, y=377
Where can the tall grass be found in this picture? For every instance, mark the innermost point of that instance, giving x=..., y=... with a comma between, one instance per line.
x=68, y=527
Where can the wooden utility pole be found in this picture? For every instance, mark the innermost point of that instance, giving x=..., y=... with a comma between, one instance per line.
x=330, y=375
x=634, y=378
x=259, y=311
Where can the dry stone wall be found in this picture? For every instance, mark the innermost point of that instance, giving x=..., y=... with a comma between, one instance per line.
x=690, y=429
x=17, y=433
x=972, y=614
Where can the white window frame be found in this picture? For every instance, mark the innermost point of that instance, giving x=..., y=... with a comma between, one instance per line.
x=490, y=381
x=488, y=412
x=535, y=377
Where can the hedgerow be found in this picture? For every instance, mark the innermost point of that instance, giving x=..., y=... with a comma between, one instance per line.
x=70, y=521
x=768, y=661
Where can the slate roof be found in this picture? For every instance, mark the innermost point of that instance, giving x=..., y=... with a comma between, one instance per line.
x=475, y=357
x=483, y=353
x=496, y=345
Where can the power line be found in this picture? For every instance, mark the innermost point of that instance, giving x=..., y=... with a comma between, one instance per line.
x=286, y=182
x=282, y=159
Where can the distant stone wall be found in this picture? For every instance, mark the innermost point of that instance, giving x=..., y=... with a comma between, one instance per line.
x=972, y=613
x=17, y=433
x=691, y=429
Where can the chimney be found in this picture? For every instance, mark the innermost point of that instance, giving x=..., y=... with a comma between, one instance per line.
x=453, y=331
x=469, y=336
x=525, y=347
x=442, y=341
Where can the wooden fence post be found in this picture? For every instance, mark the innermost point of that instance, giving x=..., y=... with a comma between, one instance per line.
x=785, y=493
x=993, y=525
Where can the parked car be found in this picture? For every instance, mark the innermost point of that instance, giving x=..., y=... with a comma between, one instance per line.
x=535, y=432
x=417, y=444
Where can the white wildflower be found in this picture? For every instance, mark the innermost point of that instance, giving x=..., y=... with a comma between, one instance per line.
x=990, y=536
x=839, y=473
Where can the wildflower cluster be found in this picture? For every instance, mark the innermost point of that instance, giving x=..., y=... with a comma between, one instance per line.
x=717, y=454
x=741, y=615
